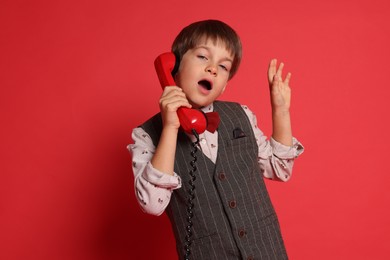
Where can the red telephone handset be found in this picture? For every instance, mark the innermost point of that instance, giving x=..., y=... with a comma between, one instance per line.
x=189, y=118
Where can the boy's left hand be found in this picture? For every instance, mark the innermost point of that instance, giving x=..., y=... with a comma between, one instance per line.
x=279, y=88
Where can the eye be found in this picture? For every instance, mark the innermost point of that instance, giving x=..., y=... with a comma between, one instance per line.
x=224, y=67
x=202, y=57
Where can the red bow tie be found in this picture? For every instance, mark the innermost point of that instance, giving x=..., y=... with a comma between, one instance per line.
x=212, y=119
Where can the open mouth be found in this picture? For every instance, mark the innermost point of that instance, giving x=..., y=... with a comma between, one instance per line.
x=205, y=84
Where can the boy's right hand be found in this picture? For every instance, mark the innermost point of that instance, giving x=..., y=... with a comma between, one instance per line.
x=171, y=99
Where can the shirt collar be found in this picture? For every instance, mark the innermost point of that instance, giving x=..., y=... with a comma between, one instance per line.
x=209, y=108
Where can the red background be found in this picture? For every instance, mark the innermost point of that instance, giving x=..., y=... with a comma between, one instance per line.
x=77, y=76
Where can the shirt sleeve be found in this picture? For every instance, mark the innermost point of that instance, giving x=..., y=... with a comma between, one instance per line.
x=275, y=159
x=153, y=188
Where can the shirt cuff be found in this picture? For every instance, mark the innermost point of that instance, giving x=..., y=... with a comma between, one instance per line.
x=286, y=152
x=161, y=179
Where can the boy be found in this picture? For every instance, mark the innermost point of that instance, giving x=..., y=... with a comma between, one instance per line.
x=233, y=217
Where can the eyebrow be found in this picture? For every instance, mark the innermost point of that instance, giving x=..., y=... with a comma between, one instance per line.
x=208, y=49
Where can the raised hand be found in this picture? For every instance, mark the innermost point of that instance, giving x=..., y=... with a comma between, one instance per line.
x=279, y=88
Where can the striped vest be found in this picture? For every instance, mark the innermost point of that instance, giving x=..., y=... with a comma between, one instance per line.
x=233, y=215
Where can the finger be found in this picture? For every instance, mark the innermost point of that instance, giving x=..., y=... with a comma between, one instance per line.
x=173, y=92
x=280, y=70
x=272, y=69
x=175, y=104
x=173, y=97
x=170, y=89
x=287, y=80
x=275, y=83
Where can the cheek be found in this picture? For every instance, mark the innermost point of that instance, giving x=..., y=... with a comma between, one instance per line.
x=223, y=89
x=182, y=80
x=222, y=86
x=180, y=75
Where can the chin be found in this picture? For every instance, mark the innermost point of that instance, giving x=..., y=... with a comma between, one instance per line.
x=201, y=101
x=200, y=105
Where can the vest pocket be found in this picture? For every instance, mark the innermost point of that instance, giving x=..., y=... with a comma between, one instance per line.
x=238, y=142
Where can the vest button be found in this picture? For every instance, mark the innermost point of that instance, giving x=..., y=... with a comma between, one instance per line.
x=222, y=176
x=232, y=204
x=241, y=233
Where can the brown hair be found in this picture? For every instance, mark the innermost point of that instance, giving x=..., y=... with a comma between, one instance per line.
x=215, y=30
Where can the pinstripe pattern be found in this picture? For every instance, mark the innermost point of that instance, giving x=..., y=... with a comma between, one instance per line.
x=249, y=228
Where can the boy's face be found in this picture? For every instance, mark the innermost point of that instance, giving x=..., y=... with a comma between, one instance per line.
x=204, y=72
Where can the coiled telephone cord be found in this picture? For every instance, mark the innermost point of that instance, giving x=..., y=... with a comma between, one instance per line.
x=191, y=197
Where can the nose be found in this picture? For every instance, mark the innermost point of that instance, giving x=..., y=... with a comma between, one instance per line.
x=212, y=70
